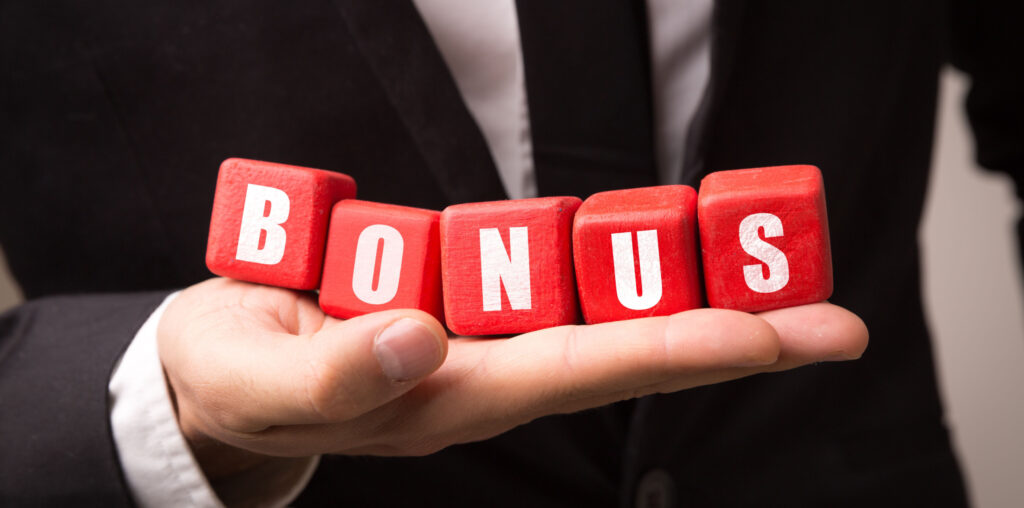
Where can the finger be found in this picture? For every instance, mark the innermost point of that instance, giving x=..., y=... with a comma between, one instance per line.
x=253, y=377
x=590, y=366
x=807, y=334
x=815, y=333
x=613, y=361
x=488, y=386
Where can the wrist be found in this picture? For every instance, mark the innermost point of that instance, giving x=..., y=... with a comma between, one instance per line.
x=217, y=459
x=241, y=477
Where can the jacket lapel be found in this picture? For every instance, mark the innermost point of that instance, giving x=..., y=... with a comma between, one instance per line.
x=398, y=48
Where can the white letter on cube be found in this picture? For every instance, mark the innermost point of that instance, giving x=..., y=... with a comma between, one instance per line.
x=498, y=267
x=254, y=223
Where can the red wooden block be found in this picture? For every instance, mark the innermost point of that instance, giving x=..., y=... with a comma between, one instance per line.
x=381, y=257
x=270, y=221
x=764, y=233
x=636, y=253
x=507, y=265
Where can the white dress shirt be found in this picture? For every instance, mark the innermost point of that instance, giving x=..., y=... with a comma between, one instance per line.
x=479, y=41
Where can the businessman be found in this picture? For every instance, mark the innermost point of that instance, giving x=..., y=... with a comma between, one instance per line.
x=117, y=115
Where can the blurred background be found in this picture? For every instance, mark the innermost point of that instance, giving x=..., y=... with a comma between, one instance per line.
x=973, y=298
x=972, y=280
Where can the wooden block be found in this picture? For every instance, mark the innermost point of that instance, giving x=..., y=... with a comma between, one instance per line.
x=270, y=221
x=507, y=265
x=380, y=257
x=764, y=233
x=636, y=253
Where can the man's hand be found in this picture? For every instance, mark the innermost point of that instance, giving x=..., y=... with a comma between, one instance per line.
x=259, y=371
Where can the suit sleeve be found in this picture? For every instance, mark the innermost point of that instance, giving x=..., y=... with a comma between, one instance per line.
x=56, y=358
x=986, y=42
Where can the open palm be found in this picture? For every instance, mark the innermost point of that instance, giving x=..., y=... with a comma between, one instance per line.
x=262, y=369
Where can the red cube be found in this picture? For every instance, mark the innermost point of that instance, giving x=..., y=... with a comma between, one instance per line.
x=764, y=233
x=636, y=253
x=270, y=221
x=507, y=265
x=381, y=257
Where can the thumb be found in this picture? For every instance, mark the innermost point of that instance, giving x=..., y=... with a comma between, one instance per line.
x=364, y=362
x=244, y=378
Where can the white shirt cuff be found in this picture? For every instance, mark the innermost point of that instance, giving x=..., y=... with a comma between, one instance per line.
x=157, y=462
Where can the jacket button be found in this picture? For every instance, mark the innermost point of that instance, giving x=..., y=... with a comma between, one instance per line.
x=655, y=490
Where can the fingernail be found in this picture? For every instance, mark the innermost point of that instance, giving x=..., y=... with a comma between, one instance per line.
x=407, y=349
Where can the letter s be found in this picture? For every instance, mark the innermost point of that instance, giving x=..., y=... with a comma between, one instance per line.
x=778, y=266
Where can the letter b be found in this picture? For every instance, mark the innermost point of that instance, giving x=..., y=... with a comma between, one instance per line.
x=269, y=222
x=255, y=225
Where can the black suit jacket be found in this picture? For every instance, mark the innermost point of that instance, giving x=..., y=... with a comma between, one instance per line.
x=116, y=115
